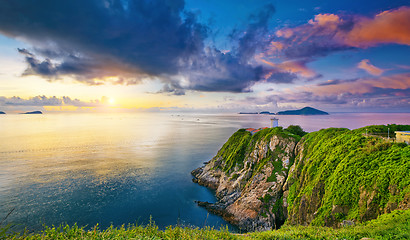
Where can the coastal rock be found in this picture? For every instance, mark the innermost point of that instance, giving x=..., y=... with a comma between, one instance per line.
x=250, y=192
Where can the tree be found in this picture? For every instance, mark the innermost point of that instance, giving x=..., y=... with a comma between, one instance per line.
x=296, y=129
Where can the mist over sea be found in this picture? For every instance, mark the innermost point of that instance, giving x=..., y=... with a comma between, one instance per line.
x=123, y=168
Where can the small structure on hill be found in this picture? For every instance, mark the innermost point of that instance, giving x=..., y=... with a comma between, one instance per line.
x=253, y=130
x=274, y=122
x=403, y=136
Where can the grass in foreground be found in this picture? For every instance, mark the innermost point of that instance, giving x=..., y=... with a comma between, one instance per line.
x=395, y=225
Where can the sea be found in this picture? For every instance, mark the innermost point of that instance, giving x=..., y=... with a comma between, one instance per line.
x=124, y=168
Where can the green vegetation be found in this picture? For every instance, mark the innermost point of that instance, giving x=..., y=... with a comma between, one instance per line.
x=383, y=130
x=242, y=142
x=234, y=150
x=395, y=225
x=342, y=174
x=296, y=129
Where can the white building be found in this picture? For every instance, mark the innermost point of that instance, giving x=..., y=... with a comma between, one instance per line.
x=274, y=122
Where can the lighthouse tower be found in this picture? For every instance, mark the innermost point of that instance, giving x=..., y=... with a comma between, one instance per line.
x=274, y=122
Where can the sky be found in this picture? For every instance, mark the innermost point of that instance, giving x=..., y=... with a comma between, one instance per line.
x=204, y=55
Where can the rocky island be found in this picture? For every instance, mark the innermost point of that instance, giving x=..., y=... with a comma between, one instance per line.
x=2, y=112
x=331, y=177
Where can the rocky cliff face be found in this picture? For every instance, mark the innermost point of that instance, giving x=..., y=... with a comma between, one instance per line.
x=331, y=177
x=249, y=190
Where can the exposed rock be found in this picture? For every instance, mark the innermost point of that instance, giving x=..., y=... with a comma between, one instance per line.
x=250, y=195
x=347, y=223
x=405, y=204
x=369, y=201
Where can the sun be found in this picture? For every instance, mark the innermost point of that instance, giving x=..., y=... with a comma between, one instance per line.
x=111, y=101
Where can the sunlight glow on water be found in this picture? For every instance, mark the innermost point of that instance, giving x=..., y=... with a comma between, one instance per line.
x=123, y=168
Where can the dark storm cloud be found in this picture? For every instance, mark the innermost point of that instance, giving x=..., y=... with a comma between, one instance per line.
x=172, y=89
x=132, y=40
x=282, y=77
x=71, y=65
x=216, y=72
x=255, y=37
x=213, y=70
x=150, y=36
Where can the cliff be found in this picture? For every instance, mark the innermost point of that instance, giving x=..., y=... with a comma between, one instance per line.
x=332, y=177
x=248, y=175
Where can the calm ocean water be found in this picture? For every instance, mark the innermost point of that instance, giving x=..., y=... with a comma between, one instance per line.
x=123, y=168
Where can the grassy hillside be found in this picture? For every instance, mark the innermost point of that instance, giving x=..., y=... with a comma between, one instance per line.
x=342, y=174
x=242, y=142
x=395, y=225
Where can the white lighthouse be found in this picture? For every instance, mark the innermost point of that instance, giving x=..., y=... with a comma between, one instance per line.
x=274, y=122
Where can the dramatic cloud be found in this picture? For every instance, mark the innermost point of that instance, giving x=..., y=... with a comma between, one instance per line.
x=327, y=33
x=122, y=42
x=233, y=71
x=84, y=70
x=368, y=67
x=149, y=35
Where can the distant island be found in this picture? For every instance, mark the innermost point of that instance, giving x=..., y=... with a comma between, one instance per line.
x=34, y=112
x=2, y=112
x=267, y=113
x=303, y=111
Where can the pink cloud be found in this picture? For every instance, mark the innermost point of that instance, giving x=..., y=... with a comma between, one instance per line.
x=386, y=92
x=363, y=86
x=368, y=67
x=297, y=67
x=325, y=20
x=286, y=33
x=392, y=26
x=326, y=33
